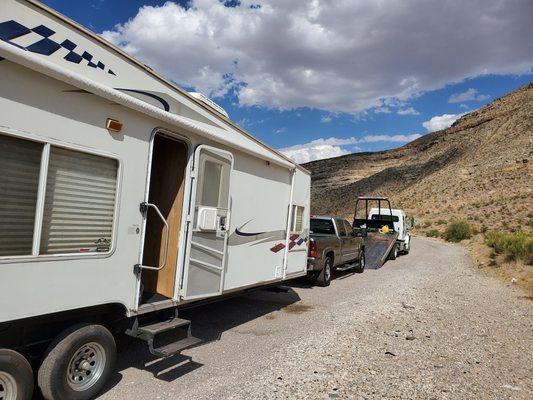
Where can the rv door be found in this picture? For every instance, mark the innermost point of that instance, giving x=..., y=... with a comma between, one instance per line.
x=203, y=273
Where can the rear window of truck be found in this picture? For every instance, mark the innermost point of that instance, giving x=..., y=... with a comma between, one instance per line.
x=322, y=226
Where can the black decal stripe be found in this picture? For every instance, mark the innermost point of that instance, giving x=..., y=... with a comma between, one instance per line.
x=165, y=104
x=238, y=232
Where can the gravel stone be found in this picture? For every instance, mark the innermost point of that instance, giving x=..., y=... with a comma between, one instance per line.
x=474, y=334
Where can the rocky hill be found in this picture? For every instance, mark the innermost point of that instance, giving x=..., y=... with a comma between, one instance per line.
x=479, y=169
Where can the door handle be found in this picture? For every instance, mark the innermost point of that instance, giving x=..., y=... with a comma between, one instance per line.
x=144, y=209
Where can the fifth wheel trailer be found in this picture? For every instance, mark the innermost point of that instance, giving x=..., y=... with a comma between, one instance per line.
x=122, y=198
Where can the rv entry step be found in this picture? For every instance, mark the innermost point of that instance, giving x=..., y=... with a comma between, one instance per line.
x=165, y=338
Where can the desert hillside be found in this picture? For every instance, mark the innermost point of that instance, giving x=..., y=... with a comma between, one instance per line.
x=479, y=169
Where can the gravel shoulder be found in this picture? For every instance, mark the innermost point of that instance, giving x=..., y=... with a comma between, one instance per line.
x=427, y=325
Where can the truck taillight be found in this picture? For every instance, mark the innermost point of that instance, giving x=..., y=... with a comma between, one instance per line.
x=313, y=250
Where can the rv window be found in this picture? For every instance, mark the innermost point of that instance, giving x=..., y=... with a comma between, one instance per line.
x=20, y=162
x=212, y=174
x=79, y=203
x=75, y=191
x=297, y=219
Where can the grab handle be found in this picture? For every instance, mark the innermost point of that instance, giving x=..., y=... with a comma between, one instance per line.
x=144, y=209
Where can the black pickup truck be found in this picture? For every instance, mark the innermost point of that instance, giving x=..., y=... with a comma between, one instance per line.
x=333, y=245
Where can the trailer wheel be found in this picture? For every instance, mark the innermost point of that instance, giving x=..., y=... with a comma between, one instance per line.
x=324, y=277
x=16, y=376
x=362, y=262
x=78, y=363
x=393, y=253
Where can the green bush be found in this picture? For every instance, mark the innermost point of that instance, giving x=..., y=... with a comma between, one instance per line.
x=457, y=231
x=515, y=246
x=433, y=233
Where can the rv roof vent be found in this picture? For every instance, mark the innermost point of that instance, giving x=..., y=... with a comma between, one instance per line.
x=206, y=100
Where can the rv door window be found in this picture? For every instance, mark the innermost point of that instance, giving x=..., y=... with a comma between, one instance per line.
x=297, y=219
x=79, y=203
x=20, y=162
x=214, y=176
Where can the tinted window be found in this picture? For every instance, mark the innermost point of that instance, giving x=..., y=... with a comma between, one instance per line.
x=322, y=226
x=348, y=227
x=382, y=217
x=340, y=227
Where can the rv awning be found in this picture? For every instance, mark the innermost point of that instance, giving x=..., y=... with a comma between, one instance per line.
x=229, y=137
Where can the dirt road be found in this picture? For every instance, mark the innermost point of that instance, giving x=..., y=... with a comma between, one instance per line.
x=427, y=325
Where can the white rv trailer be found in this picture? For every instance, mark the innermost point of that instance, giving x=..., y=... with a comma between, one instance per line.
x=121, y=196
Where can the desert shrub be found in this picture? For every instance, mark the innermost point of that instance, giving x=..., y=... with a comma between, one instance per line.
x=433, y=233
x=515, y=246
x=457, y=231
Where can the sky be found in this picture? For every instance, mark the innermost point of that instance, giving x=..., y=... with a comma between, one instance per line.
x=324, y=78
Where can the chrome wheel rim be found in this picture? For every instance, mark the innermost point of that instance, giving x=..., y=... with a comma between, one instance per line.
x=86, y=366
x=362, y=262
x=8, y=386
x=327, y=272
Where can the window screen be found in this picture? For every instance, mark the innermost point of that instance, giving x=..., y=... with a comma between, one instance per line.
x=79, y=203
x=297, y=218
x=211, y=184
x=20, y=162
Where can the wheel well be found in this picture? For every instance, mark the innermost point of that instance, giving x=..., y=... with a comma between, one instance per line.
x=331, y=254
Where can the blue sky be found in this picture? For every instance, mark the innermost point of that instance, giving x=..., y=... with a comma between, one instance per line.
x=320, y=79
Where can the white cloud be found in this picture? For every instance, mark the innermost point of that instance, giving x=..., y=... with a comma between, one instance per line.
x=391, y=138
x=325, y=119
x=439, y=122
x=333, y=147
x=470, y=95
x=465, y=106
x=407, y=111
x=305, y=154
x=280, y=130
x=382, y=110
x=340, y=56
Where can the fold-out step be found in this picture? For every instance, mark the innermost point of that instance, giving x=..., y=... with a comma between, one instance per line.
x=180, y=340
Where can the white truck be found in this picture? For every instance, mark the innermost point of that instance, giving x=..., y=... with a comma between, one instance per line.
x=401, y=223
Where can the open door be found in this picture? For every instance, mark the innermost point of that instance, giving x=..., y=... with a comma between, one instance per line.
x=162, y=213
x=209, y=222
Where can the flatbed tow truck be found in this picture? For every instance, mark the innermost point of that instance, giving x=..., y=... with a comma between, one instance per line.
x=378, y=231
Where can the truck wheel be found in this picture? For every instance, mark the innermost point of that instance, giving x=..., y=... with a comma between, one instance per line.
x=407, y=247
x=393, y=253
x=77, y=363
x=324, y=277
x=16, y=376
x=362, y=262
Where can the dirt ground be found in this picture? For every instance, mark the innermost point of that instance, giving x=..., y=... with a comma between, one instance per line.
x=428, y=325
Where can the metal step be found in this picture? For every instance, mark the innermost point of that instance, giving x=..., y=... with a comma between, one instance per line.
x=163, y=326
x=175, y=348
x=346, y=267
x=148, y=333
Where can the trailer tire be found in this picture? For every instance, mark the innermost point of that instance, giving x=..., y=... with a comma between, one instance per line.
x=324, y=277
x=393, y=253
x=16, y=376
x=362, y=262
x=77, y=363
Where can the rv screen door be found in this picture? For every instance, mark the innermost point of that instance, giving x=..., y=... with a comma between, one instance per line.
x=209, y=224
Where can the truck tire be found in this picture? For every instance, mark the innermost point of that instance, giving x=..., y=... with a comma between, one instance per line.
x=361, y=263
x=393, y=252
x=324, y=277
x=407, y=247
x=77, y=363
x=16, y=376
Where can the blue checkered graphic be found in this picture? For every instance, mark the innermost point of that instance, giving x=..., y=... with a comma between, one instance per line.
x=10, y=30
